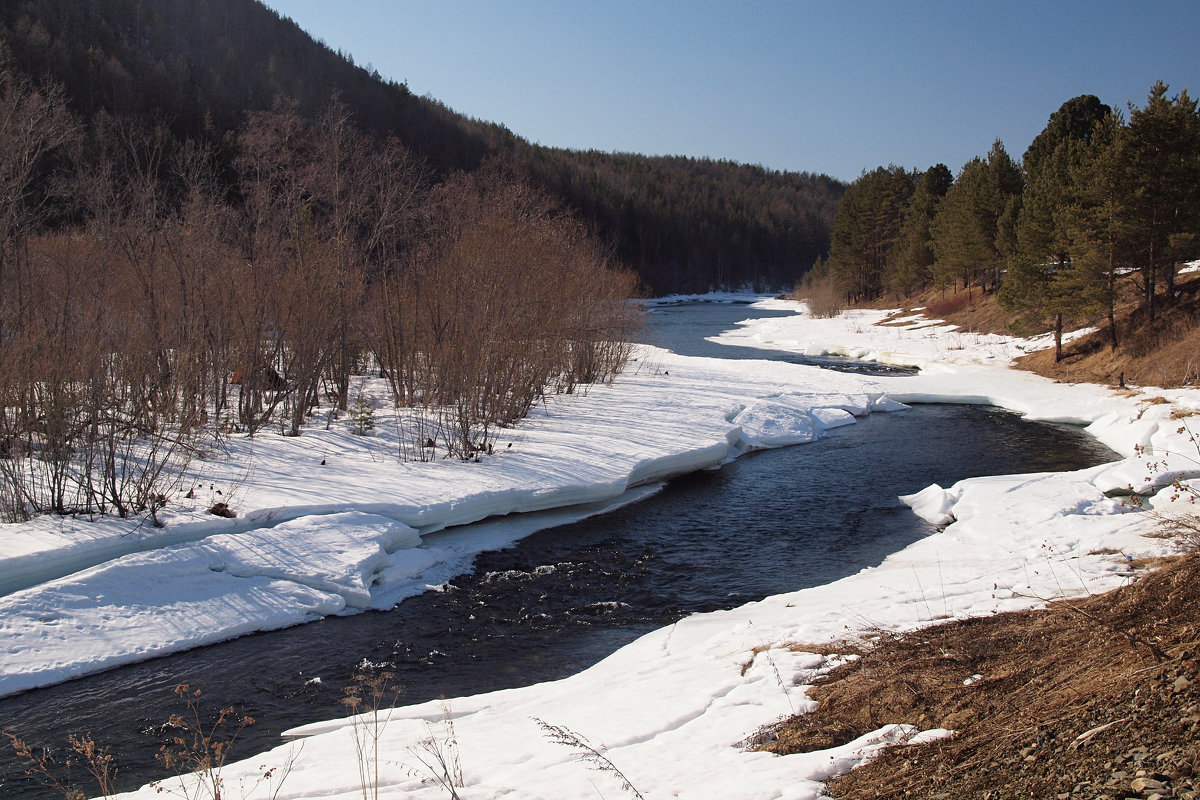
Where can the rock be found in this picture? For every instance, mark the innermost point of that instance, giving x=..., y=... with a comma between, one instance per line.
x=222, y=510
x=1141, y=785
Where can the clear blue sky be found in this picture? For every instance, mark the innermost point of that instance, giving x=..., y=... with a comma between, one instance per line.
x=829, y=86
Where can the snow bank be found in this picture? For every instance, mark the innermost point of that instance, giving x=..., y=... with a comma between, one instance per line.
x=185, y=595
x=332, y=523
x=874, y=335
x=798, y=418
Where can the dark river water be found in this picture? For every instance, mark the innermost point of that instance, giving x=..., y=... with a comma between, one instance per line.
x=562, y=599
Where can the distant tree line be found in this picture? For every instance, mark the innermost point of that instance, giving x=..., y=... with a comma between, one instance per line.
x=696, y=224
x=150, y=291
x=198, y=66
x=1095, y=197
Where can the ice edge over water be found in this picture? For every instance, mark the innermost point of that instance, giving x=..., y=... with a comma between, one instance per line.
x=205, y=580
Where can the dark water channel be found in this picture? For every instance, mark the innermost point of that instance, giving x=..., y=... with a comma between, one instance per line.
x=564, y=598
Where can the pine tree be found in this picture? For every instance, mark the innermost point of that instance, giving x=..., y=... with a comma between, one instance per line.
x=866, y=231
x=1097, y=221
x=1163, y=156
x=914, y=255
x=1041, y=280
x=973, y=229
x=1074, y=120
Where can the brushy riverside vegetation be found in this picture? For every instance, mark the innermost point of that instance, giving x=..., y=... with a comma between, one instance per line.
x=1096, y=202
x=146, y=299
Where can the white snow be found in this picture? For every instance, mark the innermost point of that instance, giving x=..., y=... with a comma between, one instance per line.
x=364, y=530
x=910, y=341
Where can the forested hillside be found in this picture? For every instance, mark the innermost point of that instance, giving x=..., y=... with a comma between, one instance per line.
x=199, y=66
x=691, y=225
x=1101, y=206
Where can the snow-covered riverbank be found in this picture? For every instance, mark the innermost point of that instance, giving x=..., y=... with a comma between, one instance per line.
x=334, y=523
x=317, y=538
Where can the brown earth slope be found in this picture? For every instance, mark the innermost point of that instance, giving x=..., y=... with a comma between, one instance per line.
x=1162, y=352
x=1092, y=698
x=1088, y=699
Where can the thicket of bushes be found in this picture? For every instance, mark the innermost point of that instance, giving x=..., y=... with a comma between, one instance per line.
x=148, y=295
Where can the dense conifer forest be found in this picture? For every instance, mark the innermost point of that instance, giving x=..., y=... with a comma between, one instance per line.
x=199, y=66
x=1101, y=201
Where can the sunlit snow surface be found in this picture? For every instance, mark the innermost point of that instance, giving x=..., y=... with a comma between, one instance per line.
x=669, y=709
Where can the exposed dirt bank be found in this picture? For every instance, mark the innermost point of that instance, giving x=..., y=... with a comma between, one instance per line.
x=1092, y=698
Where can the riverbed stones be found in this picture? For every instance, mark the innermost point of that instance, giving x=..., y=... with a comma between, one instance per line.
x=1143, y=785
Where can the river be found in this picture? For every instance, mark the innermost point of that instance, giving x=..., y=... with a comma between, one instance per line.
x=563, y=598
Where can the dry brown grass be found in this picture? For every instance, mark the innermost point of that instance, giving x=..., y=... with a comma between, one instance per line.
x=951, y=304
x=977, y=312
x=1164, y=352
x=983, y=315
x=1047, y=677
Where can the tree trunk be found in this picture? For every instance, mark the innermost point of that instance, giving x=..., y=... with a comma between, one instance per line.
x=1112, y=299
x=1058, y=330
x=1148, y=290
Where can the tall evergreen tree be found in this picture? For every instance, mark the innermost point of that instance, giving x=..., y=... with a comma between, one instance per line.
x=866, y=230
x=1041, y=281
x=1074, y=120
x=973, y=230
x=1163, y=156
x=914, y=255
x=1096, y=222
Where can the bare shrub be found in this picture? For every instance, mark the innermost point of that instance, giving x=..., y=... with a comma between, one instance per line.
x=366, y=698
x=84, y=419
x=507, y=298
x=199, y=749
x=158, y=308
x=945, y=306
x=83, y=750
x=595, y=756
x=197, y=753
x=438, y=756
x=825, y=299
x=418, y=432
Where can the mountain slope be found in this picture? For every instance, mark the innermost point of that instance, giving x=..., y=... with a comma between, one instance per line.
x=200, y=65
